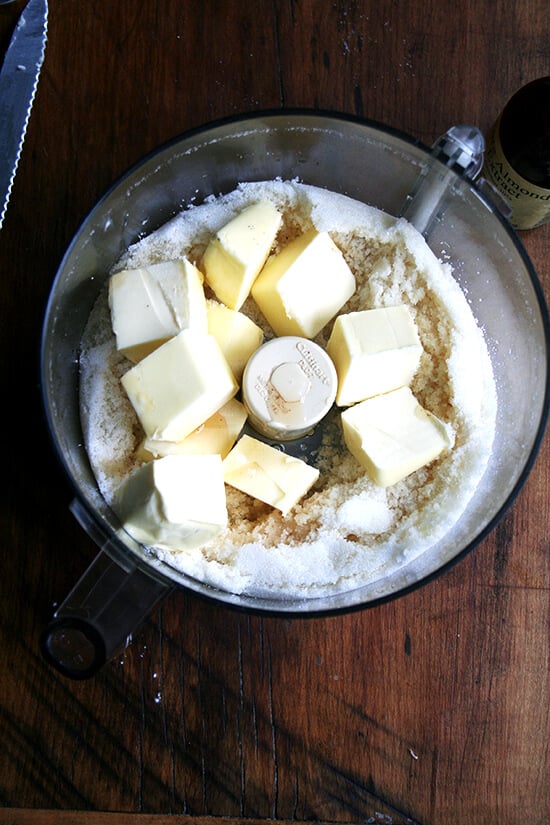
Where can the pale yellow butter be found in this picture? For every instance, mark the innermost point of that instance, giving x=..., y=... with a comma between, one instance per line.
x=179, y=385
x=374, y=351
x=216, y=436
x=268, y=474
x=303, y=287
x=237, y=335
x=177, y=501
x=238, y=251
x=152, y=304
x=392, y=436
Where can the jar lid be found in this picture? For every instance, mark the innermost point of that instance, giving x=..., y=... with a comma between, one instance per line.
x=289, y=385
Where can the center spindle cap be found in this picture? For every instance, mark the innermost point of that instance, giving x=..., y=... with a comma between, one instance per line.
x=289, y=385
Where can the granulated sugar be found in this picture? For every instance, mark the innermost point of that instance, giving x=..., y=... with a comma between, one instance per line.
x=346, y=531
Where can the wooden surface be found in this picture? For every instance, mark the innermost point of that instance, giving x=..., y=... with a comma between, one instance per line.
x=430, y=709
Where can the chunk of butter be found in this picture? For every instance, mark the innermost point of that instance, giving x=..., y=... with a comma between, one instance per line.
x=302, y=287
x=374, y=351
x=179, y=385
x=237, y=335
x=216, y=436
x=177, y=501
x=238, y=251
x=392, y=436
x=152, y=304
x=268, y=474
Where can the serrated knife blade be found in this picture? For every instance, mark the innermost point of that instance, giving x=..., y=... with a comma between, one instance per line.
x=18, y=83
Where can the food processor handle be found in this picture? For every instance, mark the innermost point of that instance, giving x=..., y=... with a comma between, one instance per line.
x=101, y=612
x=457, y=155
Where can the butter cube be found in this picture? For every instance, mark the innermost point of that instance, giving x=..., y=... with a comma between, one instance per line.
x=152, y=304
x=179, y=385
x=177, y=501
x=268, y=474
x=216, y=436
x=374, y=351
x=303, y=287
x=237, y=335
x=392, y=436
x=238, y=251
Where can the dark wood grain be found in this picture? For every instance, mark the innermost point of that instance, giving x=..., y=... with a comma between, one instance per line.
x=429, y=709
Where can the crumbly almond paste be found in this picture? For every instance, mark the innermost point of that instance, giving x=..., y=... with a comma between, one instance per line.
x=347, y=531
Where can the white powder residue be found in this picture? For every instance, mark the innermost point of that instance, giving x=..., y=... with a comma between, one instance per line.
x=365, y=514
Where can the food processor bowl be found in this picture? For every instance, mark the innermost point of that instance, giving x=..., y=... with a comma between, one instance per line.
x=365, y=161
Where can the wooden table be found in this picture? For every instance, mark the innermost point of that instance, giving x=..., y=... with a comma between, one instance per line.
x=432, y=708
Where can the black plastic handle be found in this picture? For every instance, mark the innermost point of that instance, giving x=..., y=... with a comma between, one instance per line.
x=101, y=612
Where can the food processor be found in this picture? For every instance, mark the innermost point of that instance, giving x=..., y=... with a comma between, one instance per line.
x=436, y=188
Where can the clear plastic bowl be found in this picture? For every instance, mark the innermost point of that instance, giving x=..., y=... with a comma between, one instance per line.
x=360, y=159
